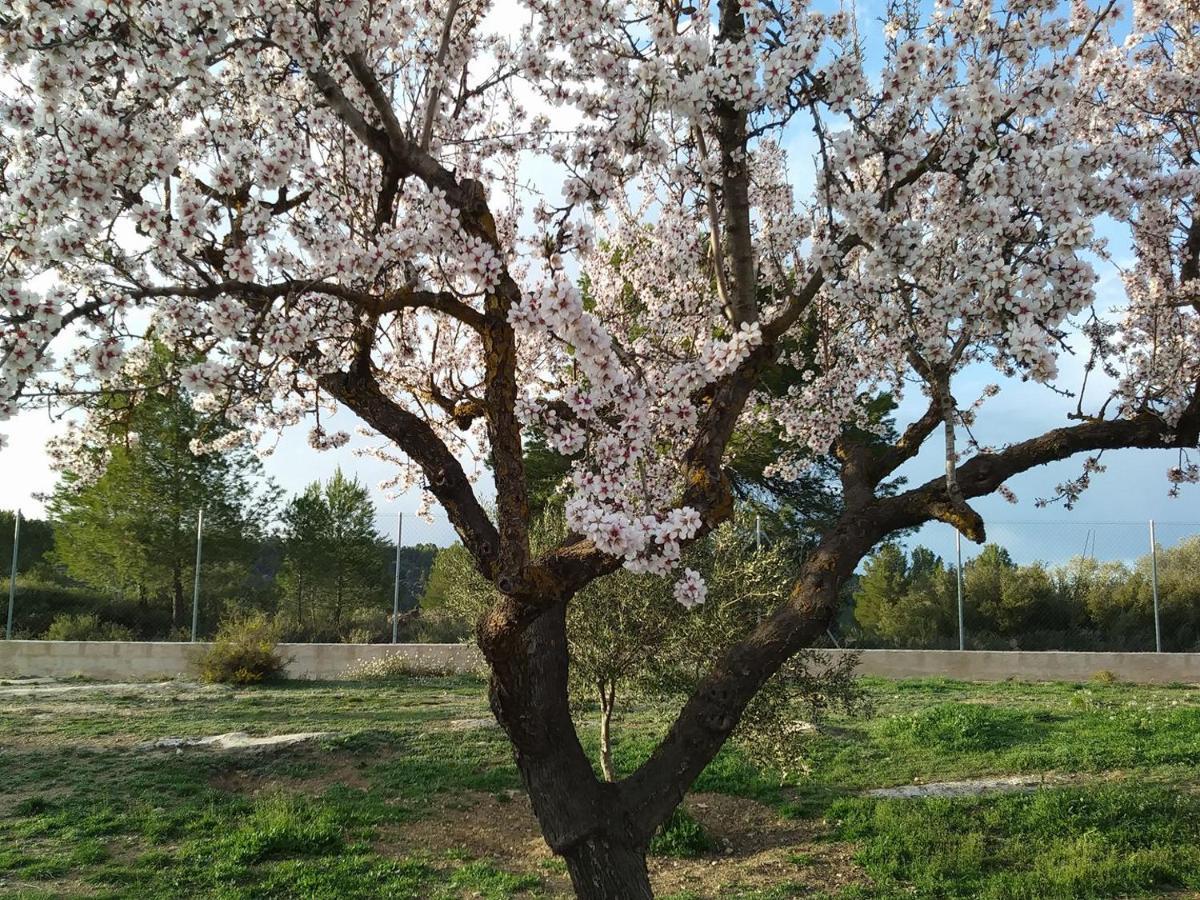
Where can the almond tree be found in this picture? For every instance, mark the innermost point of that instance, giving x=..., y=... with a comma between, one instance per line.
x=389, y=205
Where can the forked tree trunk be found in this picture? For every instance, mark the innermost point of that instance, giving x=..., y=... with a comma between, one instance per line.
x=581, y=817
x=602, y=829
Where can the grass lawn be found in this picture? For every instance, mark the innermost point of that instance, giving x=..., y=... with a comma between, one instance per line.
x=414, y=795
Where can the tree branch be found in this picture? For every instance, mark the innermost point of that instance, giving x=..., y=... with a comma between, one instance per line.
x=717, y=703
x=360, y=392
x=435, y=91
x=370, y=303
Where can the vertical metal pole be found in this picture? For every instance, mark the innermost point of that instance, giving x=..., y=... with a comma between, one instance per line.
x=962, y=634
x=12, y=581
x=1154, y=588
x=196, y=585
x=396, y=591
x=757, y=533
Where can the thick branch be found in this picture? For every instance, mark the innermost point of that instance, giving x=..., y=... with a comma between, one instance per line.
x=735, y=187
x=447, y=481
x=361, y=70
x=716, y=705
x=370, y=303
x=468, y=196
x=373, y=137
x=909, y=444
x=984, y=473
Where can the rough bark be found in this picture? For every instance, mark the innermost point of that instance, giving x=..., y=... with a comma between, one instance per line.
x=606, y=870
x=582, y=819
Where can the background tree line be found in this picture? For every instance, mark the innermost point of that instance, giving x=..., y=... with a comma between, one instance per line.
x=116, y=556
x=910, y=600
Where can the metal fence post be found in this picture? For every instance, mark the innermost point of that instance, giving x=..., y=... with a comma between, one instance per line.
x=12, y=581
x=396, y=589
x=196, y=585
x=1154, y=588
x=962, y=635
x=757, y=533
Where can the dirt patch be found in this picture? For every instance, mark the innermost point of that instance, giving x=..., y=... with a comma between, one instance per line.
x=50, y=687
x=471, y=724
x=755, y=848
x=234, y=741
x=500, y=826
x=60, y=888
x=12, y=798
x=335, y=774
x=974, y=787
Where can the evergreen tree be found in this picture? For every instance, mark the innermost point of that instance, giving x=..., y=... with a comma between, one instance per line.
x=125, y=510
x=37, y=542
x=906, y=603
x=333, y=556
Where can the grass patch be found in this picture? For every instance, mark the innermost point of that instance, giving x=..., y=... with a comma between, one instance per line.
x=1106, y=841
x=283, y=826
x=484, y=880
x=83, y=814
x=962, y=728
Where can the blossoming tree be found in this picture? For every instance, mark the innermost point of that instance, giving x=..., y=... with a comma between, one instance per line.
x=392, y=204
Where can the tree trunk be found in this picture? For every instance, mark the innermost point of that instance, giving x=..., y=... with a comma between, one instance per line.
x=176, y=593
x=603, y=870
x=607, y=702
x=582, y=819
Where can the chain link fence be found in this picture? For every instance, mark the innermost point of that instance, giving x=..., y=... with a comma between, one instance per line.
x=365, y=589
x=1116, y=586
x=1121, y=586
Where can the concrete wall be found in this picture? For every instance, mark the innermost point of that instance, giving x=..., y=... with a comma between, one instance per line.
x=138, y=660
x=107, y=660
x=1029, y=665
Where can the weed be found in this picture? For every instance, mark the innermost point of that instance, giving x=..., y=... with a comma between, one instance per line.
x=680, y=836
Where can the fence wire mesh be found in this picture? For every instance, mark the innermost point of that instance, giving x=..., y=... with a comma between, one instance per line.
x=1032, y=586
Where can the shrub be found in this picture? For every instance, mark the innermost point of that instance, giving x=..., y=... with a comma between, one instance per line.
x=86, y=627
x=245, y=651
x=379, y=668
x=434, y=626
x=393, y=666
x=38, y=604
x=680, y=836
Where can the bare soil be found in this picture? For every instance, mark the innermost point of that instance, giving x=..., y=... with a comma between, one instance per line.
x=755, y=848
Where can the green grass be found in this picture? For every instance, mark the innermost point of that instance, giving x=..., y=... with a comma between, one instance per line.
x=82, y=814
x=1104, y=841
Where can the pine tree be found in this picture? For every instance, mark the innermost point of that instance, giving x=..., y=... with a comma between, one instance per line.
x=332, y=554
x=125, y=509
